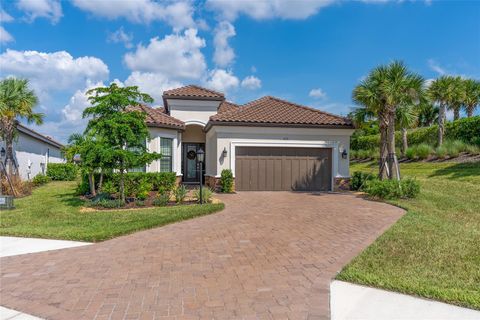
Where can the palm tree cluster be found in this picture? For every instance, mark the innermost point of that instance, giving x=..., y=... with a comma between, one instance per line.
x=399, y=98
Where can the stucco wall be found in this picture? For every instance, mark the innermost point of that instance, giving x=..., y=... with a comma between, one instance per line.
x=230, y=137
x=192, y=111
x=193, y=133
x=154, y=146
x=33, y=151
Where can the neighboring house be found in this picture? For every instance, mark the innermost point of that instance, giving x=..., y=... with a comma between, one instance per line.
x=34, y=151
x=269, y=143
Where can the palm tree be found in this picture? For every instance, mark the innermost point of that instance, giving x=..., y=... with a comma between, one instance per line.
x=457, y=98
x=407, y=117
x=472, y=96
x=17, y=101
x=368, y=96
x=427, y=114
x=442, y=92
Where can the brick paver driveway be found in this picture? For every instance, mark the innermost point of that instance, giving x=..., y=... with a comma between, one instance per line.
x=268, y=255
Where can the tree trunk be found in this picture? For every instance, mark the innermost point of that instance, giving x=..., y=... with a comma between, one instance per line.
x=383, y=122
x=100, y=181
x=456, y=114
x=404, y=141
x=392, y=157
x=470, y=110
x=9, y=130
x=122, y=186
x=91, y=182
x=441, y=123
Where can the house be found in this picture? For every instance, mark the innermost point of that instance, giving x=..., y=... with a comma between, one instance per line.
x=269, y=143
x=34, y=151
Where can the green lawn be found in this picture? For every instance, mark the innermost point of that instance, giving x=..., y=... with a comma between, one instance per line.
x=434, y=250
x=53, y=211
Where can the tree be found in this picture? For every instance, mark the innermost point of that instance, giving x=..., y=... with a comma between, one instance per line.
x=123, y=131
x=427, y=114
x=17, y=101
x=93, y=154
x=384, y=90
x=457, y=98
x=406, y=118
x=442, y=92
x=472, y=96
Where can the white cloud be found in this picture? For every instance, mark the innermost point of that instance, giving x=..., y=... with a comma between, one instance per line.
x=5, y=36
x=72, y=112
x=222, y=80
x=49, y=9
x=434, y=66
x=177, y=14
x=176, y=56
x=54, y=71
x=252, y=83
x=5, y=17
x=259, y=10
x=152, y=83
x=120, y=36
x=224, y=54
x=317, y=93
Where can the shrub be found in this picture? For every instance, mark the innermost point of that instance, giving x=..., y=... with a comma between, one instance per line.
x=140, y=203
x=423, y=150
x=106, y=203
x=107, y=187
x=392, y=189
x=410, y=153
x=441, y=152
x=358, y=180
x=62, y=171
x=180, y=192
x=162, y=199
x=40, y=179
x=22, y=188
x=226, y=180
x=207, y=194
x=472, y=149
x=143, y=188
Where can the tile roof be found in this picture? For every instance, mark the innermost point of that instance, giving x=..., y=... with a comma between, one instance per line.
x=156, y=117
x=192, y=91
x=226, y=106
x=271, y=110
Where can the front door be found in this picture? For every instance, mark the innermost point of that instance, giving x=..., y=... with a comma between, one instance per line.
x=191, y=167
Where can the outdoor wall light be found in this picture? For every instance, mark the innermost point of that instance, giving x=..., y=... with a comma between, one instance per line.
x=2, y=153
x=224, y=152
x=344, y=154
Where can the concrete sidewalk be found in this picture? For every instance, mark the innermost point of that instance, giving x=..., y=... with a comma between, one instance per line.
x=12, y=246
x=351, y=301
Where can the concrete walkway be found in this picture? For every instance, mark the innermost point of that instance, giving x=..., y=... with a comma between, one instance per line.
x=12, y=246
x=350, y=301
x=10, y=314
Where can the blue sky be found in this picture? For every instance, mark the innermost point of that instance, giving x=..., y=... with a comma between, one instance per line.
x=311, y=52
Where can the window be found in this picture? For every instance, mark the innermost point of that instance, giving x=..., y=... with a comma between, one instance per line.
x=137, y=169
x=166, y=150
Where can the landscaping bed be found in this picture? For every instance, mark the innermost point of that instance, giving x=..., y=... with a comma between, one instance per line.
x=432, y=251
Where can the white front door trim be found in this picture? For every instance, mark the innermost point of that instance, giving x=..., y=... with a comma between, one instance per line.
x=289, y=144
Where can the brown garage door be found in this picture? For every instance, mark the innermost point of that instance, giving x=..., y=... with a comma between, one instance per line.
x=277, y=169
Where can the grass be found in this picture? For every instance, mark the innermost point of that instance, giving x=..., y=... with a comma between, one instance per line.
x=53, y=211
x=434, y=250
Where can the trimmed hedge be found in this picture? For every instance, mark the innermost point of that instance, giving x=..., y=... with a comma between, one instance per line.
x=137, y=184
x=466, y=129
x=226, y=181
x=62, y=171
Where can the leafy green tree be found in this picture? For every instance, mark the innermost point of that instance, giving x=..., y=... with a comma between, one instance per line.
x=17, y=101
x=442, y=91
x=407, y=118
x=472, y=96
x=93, y=156
x=122, y=130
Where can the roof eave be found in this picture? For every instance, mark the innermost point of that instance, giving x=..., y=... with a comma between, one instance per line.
x=166, y=126
x=281, y=125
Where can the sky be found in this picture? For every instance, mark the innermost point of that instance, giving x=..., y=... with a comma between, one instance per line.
x=310, y=52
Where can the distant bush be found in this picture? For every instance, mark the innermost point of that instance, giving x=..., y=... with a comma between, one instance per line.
x=359, y=178
x=466, y=130
x=392, y=189
x=423, y=151
x=410, y=153
x=226, y=181
x=441, y=152
x=62, y=171
x=40, y=179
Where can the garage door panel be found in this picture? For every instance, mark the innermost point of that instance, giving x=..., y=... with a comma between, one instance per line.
x=273, y=168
